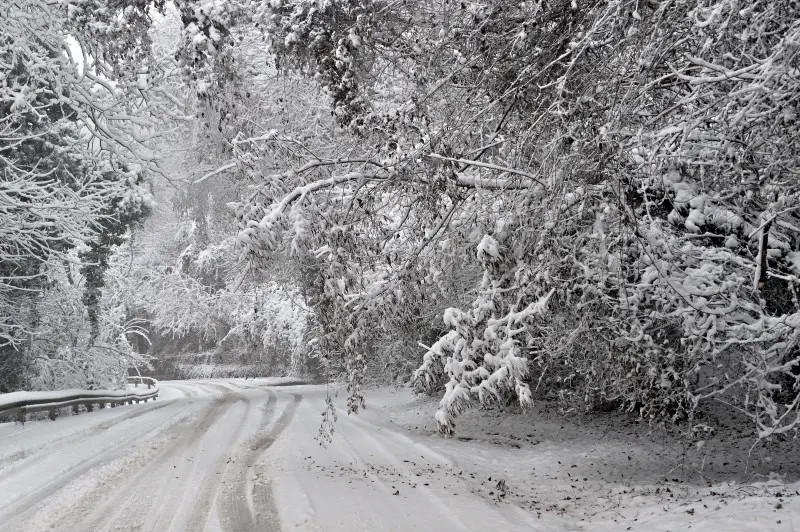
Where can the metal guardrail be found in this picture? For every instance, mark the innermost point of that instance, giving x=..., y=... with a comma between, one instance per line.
x=19, y=410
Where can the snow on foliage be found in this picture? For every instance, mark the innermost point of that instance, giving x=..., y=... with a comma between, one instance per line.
x=74, y=150
x=600, y=199
x=648, y=163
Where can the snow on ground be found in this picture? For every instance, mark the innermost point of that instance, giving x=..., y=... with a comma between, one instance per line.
x=19, y=441
x=240, y=455
x=180, y=463
x=500, y=473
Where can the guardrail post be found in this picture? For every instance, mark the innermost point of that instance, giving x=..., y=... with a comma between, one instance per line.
x=75, y=410
x=52, y=414
x=21, y=416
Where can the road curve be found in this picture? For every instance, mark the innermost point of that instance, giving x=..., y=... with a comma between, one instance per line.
x=236, y=456
x=180, y=463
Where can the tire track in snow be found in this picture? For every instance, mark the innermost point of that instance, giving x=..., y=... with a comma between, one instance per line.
x=250, y=506
x=237, y=502
x=14, y=461
x=386, y=439
x=118, y=502
x=197, y=462
x=233, y=476
x=352, y=452
x=349, y=453
x=441, y=504
x=241, y=386
x=187, y=391
x=195, y=389
x=125, y=498
x=19, y=508
x=215, y=388
x=209, y=485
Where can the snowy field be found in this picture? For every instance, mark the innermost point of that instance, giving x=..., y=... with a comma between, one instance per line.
x=241, y=455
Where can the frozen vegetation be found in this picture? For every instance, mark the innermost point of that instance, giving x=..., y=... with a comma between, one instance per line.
x=554, y=243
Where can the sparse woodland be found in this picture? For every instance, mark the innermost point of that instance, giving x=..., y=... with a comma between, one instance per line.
x=594, y=203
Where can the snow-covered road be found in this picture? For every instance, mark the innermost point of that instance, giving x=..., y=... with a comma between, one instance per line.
x=175, y=464
x=230, y=455
x=241, y=455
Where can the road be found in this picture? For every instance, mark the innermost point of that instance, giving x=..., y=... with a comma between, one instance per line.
x=230, y=456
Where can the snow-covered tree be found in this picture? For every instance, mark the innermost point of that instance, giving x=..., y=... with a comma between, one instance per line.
x=624, y=173
x=590, y=201
x=74, y=149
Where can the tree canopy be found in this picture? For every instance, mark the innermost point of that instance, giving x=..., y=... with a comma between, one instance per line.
x=593, y=202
